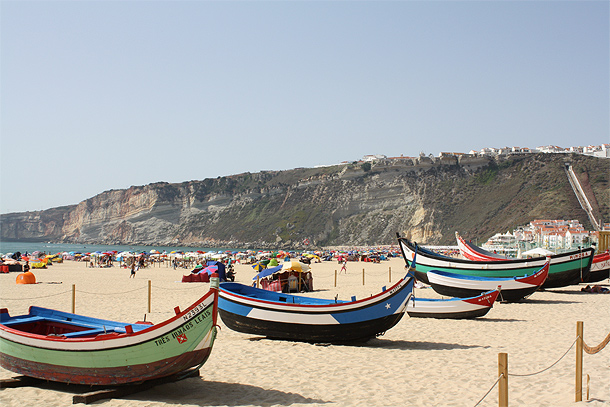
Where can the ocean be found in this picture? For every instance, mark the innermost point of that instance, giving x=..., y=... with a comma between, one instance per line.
x=51, y=248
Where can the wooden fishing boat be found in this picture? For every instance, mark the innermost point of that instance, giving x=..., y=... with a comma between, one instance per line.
x=600, y=266
x=511, y=289
x=291, y=317
x=69, y=348
x=472, y=252
x=565, y=269
x=452, y=308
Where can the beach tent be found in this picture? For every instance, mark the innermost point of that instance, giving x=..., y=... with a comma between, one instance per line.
x=204, y=274
x=26, y=278
x=222, y=275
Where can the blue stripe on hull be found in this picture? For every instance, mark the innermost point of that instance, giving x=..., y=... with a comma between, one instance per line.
x=382, y=308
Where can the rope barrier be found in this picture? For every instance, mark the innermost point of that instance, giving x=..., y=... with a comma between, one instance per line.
x=595, y=349
x=117, y=293
x=544, y=370
x=489, y=391
x=36, y=298
x=195, y=286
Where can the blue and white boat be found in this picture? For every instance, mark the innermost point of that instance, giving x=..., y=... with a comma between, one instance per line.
x=511, y=289
x=452, y=308
x=291, y=317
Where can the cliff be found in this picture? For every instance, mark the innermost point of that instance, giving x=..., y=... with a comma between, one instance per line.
x=353, y=204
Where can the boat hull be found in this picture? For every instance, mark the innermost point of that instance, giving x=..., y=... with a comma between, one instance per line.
x=283, y=316
x=600, y=269
x=332, y=333
x=112, y=358
x=108, y=375
x=564, y=270
x=469, y=314
x=505, y=295
x=511, y=289
x=600, y=265
x=453, y=308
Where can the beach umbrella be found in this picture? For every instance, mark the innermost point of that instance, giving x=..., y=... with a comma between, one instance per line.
x=259, y=266
x=210, y=269
x=294, y=265
x=267, y=272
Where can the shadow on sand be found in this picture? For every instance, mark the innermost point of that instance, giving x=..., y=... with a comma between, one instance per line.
x=537, y=301
x=202, y=392
x=409, y=345
x=198, y=391
x=500, y=320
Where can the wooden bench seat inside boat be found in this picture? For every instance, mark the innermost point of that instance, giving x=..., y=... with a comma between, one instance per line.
x=41, y=321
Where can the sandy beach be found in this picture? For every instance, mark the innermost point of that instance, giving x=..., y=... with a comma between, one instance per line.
x=420, y=362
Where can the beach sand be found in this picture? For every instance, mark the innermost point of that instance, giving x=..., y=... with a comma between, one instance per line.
x=420, y=362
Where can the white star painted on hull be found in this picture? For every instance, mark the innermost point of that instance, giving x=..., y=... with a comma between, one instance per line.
x=387, y=306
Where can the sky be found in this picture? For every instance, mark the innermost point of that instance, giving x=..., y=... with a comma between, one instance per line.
x=101, y=95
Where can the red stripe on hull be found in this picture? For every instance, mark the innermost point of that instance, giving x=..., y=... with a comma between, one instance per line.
x=486, y=300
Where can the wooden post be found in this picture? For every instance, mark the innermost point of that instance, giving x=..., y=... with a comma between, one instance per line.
x=579, y=331
x=74, y=298
x=149, y=295
x=258, y=282
x=503, y=384
x=335, y=278
x=588, y=381
x=390, y=274
x=362, y=276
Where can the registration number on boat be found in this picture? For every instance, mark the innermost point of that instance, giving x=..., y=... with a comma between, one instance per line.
x=578, y=256
x=193, y=312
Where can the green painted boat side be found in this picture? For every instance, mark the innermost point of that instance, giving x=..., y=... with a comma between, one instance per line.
x=564, y=270
x=557, y=268
x=161, y=347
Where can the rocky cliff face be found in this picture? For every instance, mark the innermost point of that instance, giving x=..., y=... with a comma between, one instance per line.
x=354, y=204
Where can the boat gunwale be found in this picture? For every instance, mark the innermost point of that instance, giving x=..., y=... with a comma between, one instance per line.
x=467, y=299
x=331, y=307
x=155, y=329
x=520, y=279
x=518, y=263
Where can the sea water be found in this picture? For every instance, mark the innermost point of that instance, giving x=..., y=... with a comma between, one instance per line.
x=52, y=248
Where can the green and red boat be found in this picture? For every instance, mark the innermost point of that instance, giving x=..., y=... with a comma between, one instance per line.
x=69, y=348
x=565, y=269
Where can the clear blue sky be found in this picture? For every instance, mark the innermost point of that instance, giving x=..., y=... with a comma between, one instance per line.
x=99, y=95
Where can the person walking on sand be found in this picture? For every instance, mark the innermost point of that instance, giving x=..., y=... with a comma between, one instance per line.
x=344, y=266
x=133, y=270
